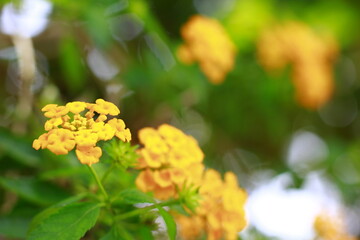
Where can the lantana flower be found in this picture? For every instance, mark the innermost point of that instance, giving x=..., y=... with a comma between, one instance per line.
x=67, y=128
x=311, y=55
x=169, y=159
x=207, y=43
x=221, y=213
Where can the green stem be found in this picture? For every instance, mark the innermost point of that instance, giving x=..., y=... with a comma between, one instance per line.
x=107, y=172
x=146, y=209
x=98, y=182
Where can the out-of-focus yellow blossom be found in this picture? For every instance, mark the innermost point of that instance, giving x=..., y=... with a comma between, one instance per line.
x=207, y=42
x=314, y=84
x=311, y=56
x=221, y=213
x=67, y=128
x=168, y=160
x=190, y=227
x=330, y=228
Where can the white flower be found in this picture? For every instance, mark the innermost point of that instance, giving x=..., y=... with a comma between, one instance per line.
x=27, y=20
x=289, y=214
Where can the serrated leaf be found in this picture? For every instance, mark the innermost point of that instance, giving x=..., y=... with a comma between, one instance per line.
x=170, y=223
x=132, y=196
x=13, y=227
x=70, y=222
x=43, y=193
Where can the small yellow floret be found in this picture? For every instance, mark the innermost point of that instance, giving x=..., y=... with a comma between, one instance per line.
x=60, y=141
x=88, y=155
x=53, y=123
x=86, y=138
x=54, y=111
x=48, y=107
x=121, y=132
x=76, y=107
x=107, y=132
x=104, y=107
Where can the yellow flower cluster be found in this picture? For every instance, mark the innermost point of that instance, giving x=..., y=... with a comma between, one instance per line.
x=221, y=213
x=207, y=42
x=329, y=228
x=171, y=159
x=311, y=56
x=67, y=128
x=168, y=160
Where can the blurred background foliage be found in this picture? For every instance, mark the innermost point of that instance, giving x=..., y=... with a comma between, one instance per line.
x=125, y=52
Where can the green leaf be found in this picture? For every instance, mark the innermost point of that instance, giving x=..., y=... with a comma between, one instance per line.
x=111, y=235
x=145, y=233
x=70, y=222
x=18, y=148
x=170, y=223
x=117, y=232
x=53, y=209
x=132, y=196
x=13, y=227
x=33, y=190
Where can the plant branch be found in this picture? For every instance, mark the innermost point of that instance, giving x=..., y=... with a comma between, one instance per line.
x=108, y=171
x=102, y=189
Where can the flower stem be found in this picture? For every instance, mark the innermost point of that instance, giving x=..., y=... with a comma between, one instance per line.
x=102, y=189
x=107, y=172
x=139, y=211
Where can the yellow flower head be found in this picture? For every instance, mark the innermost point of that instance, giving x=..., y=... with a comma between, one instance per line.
x=221, y=213
x=168, y=160
x=67, y=128
x=311, y=56
x=207, y=43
